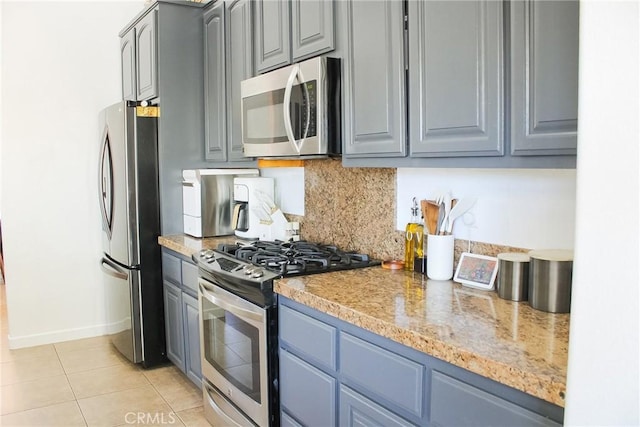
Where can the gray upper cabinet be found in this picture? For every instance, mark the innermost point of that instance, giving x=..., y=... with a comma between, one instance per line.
x=544, y=77
x=168, y=71
x=146, y=57
x=139, y=59
x=312, y=28
x=128, y=62
x=215, y=84
x=291, y=31
x=239, y=66
x=373, y=79
x=272, y=36
x=227, y=61
x=455, y=78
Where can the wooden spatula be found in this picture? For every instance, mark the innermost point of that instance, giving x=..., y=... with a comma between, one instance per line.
x=430, y=213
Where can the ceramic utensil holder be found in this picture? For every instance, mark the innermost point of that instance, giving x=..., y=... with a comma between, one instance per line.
x=440, y=257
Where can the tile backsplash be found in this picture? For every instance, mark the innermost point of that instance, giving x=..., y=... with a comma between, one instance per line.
x=355, y=209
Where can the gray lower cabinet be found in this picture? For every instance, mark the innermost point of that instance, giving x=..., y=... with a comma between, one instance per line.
x=544, y=77
x=173, y=324
x=291, y=31
x=182, y=319
x=334, y=373
x=374, y=79
x=220, y=21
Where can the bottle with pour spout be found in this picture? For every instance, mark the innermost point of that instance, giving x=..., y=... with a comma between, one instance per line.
x=413, y=239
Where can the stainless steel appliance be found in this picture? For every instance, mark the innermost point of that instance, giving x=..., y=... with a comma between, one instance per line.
x=293, y=111
x=239, y=329
x=207, y=200
x=131, y=260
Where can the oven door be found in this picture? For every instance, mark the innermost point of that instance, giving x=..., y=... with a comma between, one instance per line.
x=233, y=337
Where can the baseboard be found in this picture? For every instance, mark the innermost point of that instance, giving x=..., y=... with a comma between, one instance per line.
x=16, y=342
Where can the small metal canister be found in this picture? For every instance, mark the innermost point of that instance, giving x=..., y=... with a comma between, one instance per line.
x=513, y=276
x=550, y=274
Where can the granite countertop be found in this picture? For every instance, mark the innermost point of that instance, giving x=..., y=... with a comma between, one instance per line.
x=506, y=341
x=187, y=245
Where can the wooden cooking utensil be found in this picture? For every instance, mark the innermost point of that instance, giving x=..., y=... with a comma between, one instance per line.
x=430, y=213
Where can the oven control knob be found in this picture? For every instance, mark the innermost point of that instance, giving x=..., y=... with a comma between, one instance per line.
x=257, y=273
x=248, y=270
x=207, y=254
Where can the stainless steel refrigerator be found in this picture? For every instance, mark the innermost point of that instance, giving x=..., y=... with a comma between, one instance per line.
x=129, y=203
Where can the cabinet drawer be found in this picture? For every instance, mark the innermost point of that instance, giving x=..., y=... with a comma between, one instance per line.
x=190, y=276
x=356, y=410
x=171, y=270
x=454, y=402
x=383, y=373
x=313, y=339
x=298, y=382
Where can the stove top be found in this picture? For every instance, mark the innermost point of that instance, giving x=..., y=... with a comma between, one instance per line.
x=248, y=269
x=296, y=258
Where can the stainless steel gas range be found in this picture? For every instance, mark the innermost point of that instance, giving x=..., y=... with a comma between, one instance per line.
x=239, y=322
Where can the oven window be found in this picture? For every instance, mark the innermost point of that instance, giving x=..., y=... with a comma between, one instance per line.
x=231, y=346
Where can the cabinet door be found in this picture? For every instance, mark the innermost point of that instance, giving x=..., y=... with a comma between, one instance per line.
x=191, y=323
x=475, y=407
x=128, y=65
x=306, y=393
x=272, y=36
x=374, y=83
x=357, y=411
x=214, y=84
x=173, y=324
x=456, y=78
x=147, y=57
x=239, y=67
x=312, y=28
x=544, y=77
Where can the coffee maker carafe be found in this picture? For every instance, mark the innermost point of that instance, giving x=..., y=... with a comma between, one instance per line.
x=248, y=196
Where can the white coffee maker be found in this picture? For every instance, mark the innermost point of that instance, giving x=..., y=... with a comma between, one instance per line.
x=248, y=199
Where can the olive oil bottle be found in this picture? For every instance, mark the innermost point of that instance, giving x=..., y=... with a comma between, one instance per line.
x=413, y=239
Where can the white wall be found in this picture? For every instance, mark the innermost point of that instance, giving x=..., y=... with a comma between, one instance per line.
x=60, y=67
x=525, y=208
x=604, y=378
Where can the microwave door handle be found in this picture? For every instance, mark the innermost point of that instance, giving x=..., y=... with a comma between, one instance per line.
x=308, y=108
x=287, y=110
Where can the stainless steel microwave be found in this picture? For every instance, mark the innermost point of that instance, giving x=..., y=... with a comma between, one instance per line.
x=293, y=111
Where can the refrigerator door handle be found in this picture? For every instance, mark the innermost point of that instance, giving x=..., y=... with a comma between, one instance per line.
x=112, y=269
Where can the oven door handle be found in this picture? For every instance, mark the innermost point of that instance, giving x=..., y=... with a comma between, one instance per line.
x=228, y=306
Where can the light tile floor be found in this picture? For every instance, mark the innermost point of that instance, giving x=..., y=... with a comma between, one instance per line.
x=88, y=383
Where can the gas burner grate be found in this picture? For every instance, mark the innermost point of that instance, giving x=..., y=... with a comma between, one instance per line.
x=296, y=258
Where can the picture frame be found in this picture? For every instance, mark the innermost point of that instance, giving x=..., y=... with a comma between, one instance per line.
x=476, y=271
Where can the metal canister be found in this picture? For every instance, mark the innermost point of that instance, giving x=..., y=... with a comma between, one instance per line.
x=550, y=274
x=513, y=276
